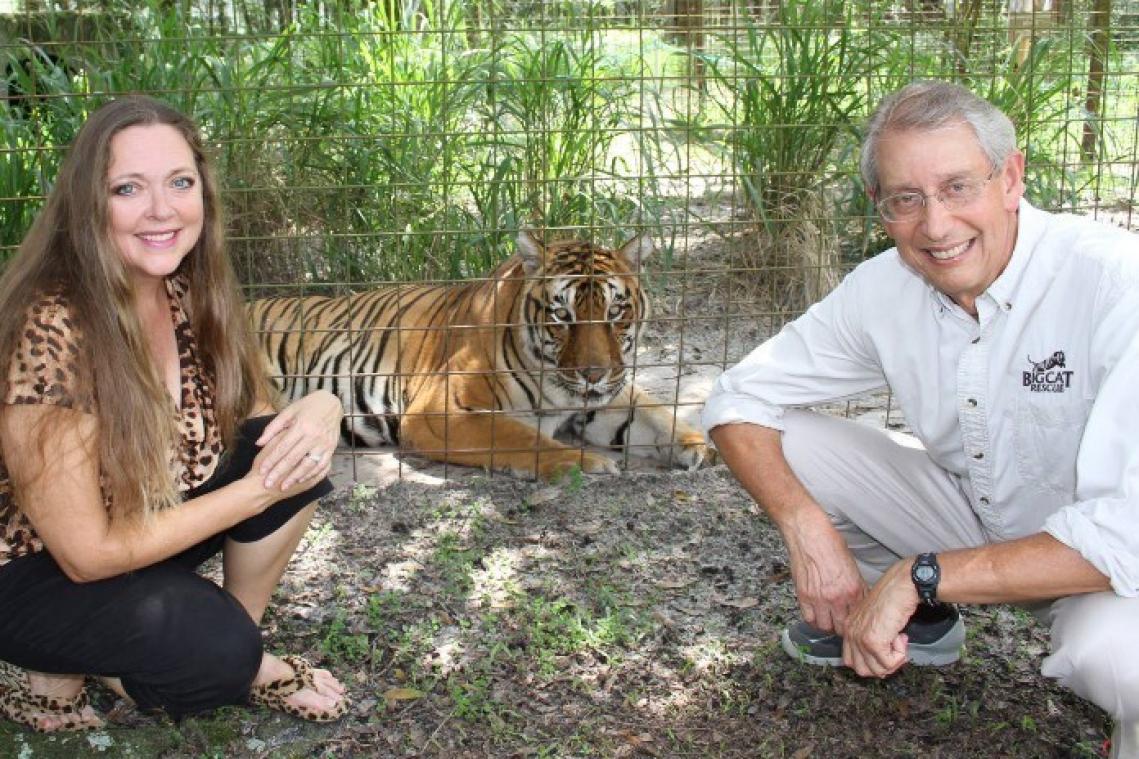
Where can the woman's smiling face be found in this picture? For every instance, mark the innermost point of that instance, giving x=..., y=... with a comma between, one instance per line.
x=156, y=204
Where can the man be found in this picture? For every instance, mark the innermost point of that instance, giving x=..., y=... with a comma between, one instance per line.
x=1010, y=339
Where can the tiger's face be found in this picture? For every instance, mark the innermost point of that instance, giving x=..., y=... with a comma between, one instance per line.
x=583, y=308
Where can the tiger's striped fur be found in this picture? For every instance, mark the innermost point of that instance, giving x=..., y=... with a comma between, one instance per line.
x=486, y=373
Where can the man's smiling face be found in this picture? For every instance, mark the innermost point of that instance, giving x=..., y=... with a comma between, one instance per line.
x=959, y=251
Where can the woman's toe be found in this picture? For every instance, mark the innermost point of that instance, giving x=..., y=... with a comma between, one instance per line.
x=83, y=720
x=90, y=718
x=326, y=683
x=47, y=723
x=316, y=700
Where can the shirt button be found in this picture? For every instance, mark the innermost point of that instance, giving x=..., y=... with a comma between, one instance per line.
x=976, y=340
x=1008, y=307
x=971, y=403
x=978, y=456
x=984, y=501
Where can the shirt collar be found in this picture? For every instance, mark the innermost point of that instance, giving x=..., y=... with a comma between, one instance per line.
x=1031, y=224
x=1030, y=228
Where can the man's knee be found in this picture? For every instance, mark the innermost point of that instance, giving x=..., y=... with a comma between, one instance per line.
x=1093, y=651
x=830, y=455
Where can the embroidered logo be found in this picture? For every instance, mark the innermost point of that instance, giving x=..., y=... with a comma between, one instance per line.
x=1051, y=375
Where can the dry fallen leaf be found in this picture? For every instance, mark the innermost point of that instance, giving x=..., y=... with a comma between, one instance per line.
x=674, y=584
x=641, y=743
x=543, y=496
x=747, y=602
x=689, y=611
x=498, y=517
x=393, y=695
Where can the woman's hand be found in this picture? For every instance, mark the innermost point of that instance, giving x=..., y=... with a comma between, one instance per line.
x=297, y=446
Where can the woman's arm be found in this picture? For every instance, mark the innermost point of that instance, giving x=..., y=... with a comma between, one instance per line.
x=59, y=492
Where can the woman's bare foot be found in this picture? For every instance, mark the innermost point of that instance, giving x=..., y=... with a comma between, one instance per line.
x=64, y=687
x=327, y=696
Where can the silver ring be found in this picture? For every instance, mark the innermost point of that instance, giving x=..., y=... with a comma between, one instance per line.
x=314, y=457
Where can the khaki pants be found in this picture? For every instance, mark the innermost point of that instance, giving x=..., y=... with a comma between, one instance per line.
x=889, y=500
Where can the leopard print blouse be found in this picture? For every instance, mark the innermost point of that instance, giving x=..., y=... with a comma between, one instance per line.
x=43, y=371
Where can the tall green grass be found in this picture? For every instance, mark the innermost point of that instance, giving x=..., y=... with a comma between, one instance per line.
x=796, y=87
x=791, y=90
x=373, y=145
x=403, y=141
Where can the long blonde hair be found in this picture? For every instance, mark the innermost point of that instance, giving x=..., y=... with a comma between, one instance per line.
x=69, y=249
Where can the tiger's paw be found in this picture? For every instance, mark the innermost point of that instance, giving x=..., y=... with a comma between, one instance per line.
x=595, y=463
x=691, y=452
x=591, y=463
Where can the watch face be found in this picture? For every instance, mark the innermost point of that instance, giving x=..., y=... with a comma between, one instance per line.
x=924, y=573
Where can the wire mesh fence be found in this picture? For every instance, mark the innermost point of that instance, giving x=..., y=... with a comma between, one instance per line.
x=381, y=146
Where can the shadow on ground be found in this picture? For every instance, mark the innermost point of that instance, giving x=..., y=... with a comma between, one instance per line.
x=634, y=615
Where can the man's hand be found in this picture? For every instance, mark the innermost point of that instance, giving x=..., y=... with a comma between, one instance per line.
x=873, y=642
x=827, y=581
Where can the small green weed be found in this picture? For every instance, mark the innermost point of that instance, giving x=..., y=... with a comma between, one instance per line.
x=341, y=645
x=362, y=497
x=472, y=699
x=573, y=479
x=558, y=627
x=383, y=607
x=1088, y=750
x=455, y=563
x=949, y=712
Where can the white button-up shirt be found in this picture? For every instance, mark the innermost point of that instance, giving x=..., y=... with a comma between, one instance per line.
x=1034, y=404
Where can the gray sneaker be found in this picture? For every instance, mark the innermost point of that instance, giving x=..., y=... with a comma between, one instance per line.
x=936, y=634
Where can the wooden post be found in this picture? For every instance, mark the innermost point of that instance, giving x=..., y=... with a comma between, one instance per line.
x=1099, y=28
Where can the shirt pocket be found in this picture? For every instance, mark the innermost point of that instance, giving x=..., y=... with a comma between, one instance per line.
x=1048, y=431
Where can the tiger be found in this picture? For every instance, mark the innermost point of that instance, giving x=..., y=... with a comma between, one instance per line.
x=491, y=373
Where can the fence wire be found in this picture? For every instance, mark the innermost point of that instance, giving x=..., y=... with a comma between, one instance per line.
x=394, y=144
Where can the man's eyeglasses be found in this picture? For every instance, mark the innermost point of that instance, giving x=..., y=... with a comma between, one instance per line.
x=954, y=194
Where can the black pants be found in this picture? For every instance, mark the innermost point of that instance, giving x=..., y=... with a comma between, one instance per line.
x=177, y=641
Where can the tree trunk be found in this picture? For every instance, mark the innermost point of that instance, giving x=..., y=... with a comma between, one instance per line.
x=960, y=33
x=689, y=20
x=1099, y=27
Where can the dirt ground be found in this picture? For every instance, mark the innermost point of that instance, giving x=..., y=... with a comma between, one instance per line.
x=610, y=616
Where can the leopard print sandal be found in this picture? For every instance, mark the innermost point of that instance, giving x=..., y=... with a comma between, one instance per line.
x=274, y=693
x=20, y=705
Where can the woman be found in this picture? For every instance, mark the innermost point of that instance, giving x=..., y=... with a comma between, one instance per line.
x=136, y=441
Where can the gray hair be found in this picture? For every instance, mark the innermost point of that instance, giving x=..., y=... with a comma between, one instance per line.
x=925, y=106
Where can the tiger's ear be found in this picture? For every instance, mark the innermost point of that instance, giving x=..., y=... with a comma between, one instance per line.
x=638, y=249
x=530, y=250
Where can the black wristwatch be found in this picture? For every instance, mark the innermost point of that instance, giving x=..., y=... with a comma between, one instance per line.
x=926, y=573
